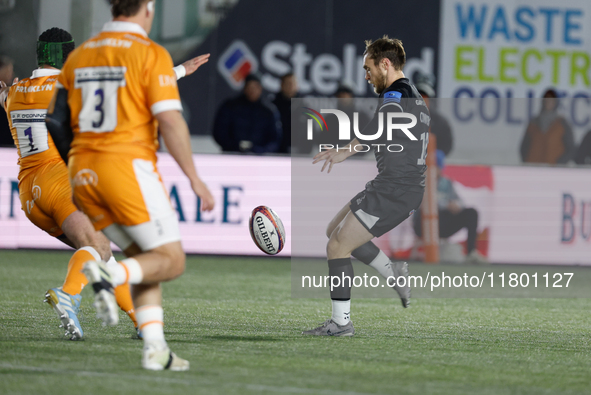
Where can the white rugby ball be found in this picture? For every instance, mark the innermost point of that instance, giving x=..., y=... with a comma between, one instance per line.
x=266, y=230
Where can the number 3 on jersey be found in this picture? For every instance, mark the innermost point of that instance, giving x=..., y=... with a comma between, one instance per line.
x=100, y=89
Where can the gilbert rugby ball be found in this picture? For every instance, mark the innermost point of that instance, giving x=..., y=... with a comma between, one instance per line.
x=266, y=230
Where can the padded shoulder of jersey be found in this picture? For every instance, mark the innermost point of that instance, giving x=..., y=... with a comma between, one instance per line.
x=402, y=87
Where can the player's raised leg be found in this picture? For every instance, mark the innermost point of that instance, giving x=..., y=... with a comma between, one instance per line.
x=92, y=246
x=372, y=256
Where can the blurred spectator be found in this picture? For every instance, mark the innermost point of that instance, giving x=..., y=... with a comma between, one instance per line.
x=548, y=137
x=453, y=216
x=346, y=103
x=6, y=75
x=247, y=123
x=439, y=125
x=583, y=155
x=289, y=90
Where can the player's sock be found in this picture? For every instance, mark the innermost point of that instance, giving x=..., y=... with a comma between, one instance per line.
x=366, y=253
x=341, y=311
x=150, y=320
x=341, y=295
x=123, y=293
x=371, y=255
x=75, y=280
x=382, y=264
x=123, y=296
x=127, y=271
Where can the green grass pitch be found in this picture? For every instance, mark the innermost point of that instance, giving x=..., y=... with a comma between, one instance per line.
x=235, y=320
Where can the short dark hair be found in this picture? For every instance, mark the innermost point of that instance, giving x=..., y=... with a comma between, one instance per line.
x=252, y=77
x=57, y=56
x=125, y=7
x=551, y=93
x=286, y=76
x=386, y=47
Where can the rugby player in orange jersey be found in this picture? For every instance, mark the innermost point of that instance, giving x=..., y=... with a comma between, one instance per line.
x=44, y=185
x=114, y=91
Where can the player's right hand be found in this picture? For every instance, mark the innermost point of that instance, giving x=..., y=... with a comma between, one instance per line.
x=192, y=65
x=201, y=190
x=330, y=157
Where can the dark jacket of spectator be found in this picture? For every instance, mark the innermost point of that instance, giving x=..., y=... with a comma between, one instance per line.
x=583, y=155
x=5, y=136
x=6, y=75
x=548, y=137
x=440, y=128
x=283, y=105
x=439, y=125
x=245, y=126
x=288, y=91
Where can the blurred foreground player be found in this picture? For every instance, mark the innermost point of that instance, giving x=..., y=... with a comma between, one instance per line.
x=389, y=199
x=113, y=92
x=44, y=186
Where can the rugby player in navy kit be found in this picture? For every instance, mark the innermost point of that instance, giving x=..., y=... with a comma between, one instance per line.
x=387, y=200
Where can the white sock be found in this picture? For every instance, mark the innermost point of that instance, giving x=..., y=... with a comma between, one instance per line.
x=341, y=310
x=134, y=271
x=126, y=271
x=382, y=264
x=150, y=322
x=112, y=262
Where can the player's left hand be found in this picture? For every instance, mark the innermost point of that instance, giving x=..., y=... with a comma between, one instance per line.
x=193, y=64
x=330, y=157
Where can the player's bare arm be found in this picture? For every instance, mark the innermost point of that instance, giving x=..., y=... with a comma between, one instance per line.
x=334, y=156
x=190, y=66
x=175, y=133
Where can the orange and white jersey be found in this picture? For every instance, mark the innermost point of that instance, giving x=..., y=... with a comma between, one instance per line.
x=117, y=82
x=26, y=108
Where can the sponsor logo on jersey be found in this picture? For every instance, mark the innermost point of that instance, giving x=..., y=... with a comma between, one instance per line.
x=36, y=192
x=425, y=118
x=30, y=205
x=236, y=63
x=108, y=42
x=85, y=177
x=34, y=88
x=166, y=80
